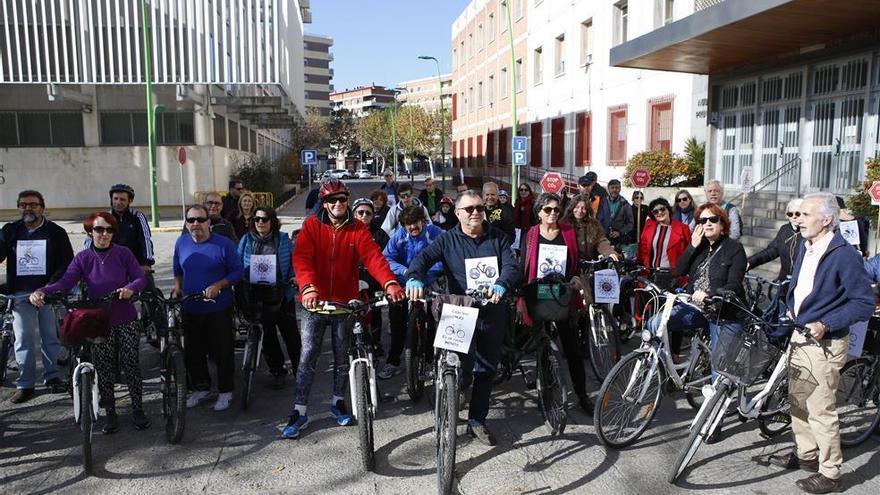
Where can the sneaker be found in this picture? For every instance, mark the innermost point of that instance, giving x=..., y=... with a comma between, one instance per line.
x=22, y=395
x=111, y=424
x=295, y=424
x=196, y=398
x=223, y=401
x=478, y=430
x=387, y=371
x=140, y=420
x=56, y=386
x=340, y=414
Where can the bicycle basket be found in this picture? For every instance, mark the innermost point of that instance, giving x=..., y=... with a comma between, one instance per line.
x=80, y=324
x=548, y=298
x=742, y=356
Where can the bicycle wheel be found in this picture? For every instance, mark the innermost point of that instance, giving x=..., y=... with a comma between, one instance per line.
x=699, y=373
x=857, y=402
x=707, y=415
x=552, y=391
x=628, y=400
x=775, y=418
x=86, y=418
x=174, y=394
x=364, y=413
x=5, y=351
x=447, y=425
x=250, y=363
x=604, y=346
x=413, y=355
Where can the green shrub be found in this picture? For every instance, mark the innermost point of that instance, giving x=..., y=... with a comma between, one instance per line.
x=860, y=202
x=260, y=174
x=666, y=169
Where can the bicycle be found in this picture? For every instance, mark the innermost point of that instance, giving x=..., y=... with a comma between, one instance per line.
x=603, y=343
x=362, y=382
x=7, y=335
x=858, y=394
x=549, y=266
x=740, y=357
x=482, y=269
x=418, y=349
x=630, y=395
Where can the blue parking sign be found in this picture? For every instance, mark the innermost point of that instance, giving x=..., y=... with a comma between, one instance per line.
x=520, y=156
x=309, y=157
x=519, y=143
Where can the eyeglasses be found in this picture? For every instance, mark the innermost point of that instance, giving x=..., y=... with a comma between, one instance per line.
x=213, y=203
x=405, y=195
x=262, y=219
x=473, y=208
x=103, y=230
x=29, y=206
x=795, y=214
x=683, y=199
x=337, y=199
x=364, y=213
x=196, y=219
x=550, y=209
x=712, y=219
x=658, y=211
x=526, y=189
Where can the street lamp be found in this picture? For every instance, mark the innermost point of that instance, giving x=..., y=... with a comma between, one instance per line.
x=514, y=171
x=151, y=114
x=442, y=121
x=412, y=155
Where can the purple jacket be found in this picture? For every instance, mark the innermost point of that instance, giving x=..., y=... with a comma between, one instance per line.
x=104, y=273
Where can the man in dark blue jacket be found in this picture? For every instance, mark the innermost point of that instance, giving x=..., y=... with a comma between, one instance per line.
x=829, y=292
x=458, y=248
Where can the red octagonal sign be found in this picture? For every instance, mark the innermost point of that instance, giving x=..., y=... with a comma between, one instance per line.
x=181, y=155
x=875, y=191
x=640, y=177
x=552, y=182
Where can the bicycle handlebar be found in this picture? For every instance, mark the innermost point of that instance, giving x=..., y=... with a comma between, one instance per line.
x=353, y=306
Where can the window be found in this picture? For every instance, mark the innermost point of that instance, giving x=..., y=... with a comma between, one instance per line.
x=661, y=125
x=454, y=57
x=504, y=82
x=490, y=90
x=220, y=131
x=470, y=40
x=617, y=136
x=504, y=17
x=479, y=36
x=536, y=137
x=538, y=65
x=470, y=100
x=587, y=42
x=8, y=132
x=461, y=102
x=454, y=106
x=559, y=65
x=480, y=94
x=233, y=135
x=490, y=25
x=517, y=76
x=663, y=12
x=130, y=128
x=461, y=51
x=490, y=148
x=582, y=140
x=557, y=142
x=518, y=9
x=41, y=129
x=621, y=13
x=503, y=146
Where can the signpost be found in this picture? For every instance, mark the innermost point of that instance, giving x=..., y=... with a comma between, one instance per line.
x=181, y=159
x=518, y=145
x=745, y=184
x=874, y=191
x=640, y=179
x=552, y=182
x=309, y=158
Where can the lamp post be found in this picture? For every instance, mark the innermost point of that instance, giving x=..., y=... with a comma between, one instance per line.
x=412, y=155
x=151, y=113
x=442, y=121
x=394, y=138
x=514, y=171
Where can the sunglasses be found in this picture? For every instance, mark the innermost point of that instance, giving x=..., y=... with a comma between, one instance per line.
x=712, y=219
x=405, y=195
x=471, y=209
x=524, y=189
x=658, y=211
x=682, y=199
x=262, y=219
x=337, y=199
x=196, y=219
x=364, y=213
x=103, y=230
x=550, y=209
x=29, y=206
x=795, y=214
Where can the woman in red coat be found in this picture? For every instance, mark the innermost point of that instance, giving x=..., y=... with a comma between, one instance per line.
x=663, y=240
x=524, y=215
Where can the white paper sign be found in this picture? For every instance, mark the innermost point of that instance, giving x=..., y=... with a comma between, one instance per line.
x=392, y=200
x=263, y=269
x=857, y=334
x=517, y=238
x=746, y=179
x=31, y=257
x=551, y=259
x=481, y=271
x=606, y=286
x=456, y=328
x=850, y=232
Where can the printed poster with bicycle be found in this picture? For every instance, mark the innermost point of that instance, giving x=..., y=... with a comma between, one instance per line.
x=263, y=269
x=481, y=272
x=551, y=259
x=455, y=330
x=31, y=257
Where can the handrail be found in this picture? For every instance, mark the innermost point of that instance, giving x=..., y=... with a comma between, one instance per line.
x=774, y=178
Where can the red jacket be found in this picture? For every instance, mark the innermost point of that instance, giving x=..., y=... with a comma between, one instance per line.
x=327, y=259
x=679, y=239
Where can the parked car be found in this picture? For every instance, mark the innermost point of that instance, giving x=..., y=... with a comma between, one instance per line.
x=364, y=174
x=339, y=174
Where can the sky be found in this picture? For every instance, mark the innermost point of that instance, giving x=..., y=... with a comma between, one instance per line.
x=378, y=41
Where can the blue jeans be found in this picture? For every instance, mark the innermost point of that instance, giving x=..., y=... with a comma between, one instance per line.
x=312, y=335
x=714, y=331
x=28, y=324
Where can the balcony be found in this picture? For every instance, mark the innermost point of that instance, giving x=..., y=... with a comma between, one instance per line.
x=705, y=4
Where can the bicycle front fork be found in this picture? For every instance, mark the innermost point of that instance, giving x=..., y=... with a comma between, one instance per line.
x=82, y=368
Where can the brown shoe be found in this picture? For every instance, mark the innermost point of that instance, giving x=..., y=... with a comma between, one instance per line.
x=818, y=483
x=791, y=461
x=22, y=395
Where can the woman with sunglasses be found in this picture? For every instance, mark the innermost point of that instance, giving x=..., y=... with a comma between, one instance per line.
x=784, y=245
x=547, y=237
x=663, y=240
x=683, y=211
x=590, y=236
x=278, y=314
x=106, y=267
x=523, y=208
x=364, y=212
x=247, y=204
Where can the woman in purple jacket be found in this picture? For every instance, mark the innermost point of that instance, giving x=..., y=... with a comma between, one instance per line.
x=106, y=268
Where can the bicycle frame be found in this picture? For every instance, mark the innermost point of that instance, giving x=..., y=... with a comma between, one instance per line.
x=84, y=367
x=363, y=355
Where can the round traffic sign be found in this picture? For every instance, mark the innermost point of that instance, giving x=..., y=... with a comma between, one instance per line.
x=640, y=177
x=552, y=182
x=181, y=155
x=874, y=191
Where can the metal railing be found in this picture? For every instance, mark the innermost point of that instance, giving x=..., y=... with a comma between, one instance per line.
x=705, y=4
x=786, y=179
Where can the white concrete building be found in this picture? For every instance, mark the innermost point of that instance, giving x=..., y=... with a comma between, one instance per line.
x=318, y=73
x=425, y=92
x=229, y=76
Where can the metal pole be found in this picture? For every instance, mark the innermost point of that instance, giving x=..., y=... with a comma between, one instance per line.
x=514, y=171
x=151, y=114
x=394, y=141
x=412, y=151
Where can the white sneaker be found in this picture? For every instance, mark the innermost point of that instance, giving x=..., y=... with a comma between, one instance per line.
x=223, y=401
x=387, y=371
x=196, y=398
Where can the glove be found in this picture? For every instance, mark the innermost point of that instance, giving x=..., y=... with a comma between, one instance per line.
x=395, y=292
x=414, y=284
x=498, y=290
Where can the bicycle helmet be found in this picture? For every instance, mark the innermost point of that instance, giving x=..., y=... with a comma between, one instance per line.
x=447, y=200
x=363, y=201
x=122, y=188
x=332, y=186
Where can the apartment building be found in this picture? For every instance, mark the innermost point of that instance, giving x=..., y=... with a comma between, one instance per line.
x=578, y=111
x=425, y=92
x=318, y=73
x=227, y=81
x=362, y=100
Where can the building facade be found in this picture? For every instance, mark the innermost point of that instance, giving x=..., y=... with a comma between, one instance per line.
x=227, y=81
x=425, y=93
x=318, y=73
x=362, y=100
x=578, y=112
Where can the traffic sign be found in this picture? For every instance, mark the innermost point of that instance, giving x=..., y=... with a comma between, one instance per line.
x=519, y=158
x=309, y=157
x=519, y=143
x=181, y=156
x=552, y=182
x=640, y=177
x=746, y=179
x=875, y=192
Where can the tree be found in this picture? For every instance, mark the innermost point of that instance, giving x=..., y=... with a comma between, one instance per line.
x=309, y=133
x=374, y=131
x=342, y=131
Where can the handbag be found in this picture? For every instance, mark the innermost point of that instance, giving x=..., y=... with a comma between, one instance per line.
x=548, y=298
x=80, y=324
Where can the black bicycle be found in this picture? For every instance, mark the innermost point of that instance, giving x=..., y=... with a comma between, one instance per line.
x=858, y=395
x=602, y=333
x=418, y=350
x=7, y=335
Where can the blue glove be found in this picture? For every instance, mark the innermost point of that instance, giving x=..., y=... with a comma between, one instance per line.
x=499, y=289
x=414, y=284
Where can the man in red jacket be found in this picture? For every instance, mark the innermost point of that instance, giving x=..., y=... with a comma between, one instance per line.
x=329, y=250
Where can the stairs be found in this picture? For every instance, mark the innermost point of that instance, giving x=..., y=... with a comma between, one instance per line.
x=763, y=215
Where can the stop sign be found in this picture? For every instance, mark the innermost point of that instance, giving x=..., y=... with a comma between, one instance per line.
x=875, y=192
x=640, y=177
x=181, y=155
x=552, y=182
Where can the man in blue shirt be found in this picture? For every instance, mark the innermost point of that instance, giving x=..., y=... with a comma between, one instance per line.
x=209, y=264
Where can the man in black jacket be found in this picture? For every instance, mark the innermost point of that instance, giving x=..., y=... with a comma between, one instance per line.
x=38, y=253
x=498, y=215
x=783, y=246
x=219, y=225
x=230, y=202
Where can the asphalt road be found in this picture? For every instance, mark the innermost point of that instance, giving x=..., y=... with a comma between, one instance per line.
x=241, y=452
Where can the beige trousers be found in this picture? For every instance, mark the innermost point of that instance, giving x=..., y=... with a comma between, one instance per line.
x=814, y=374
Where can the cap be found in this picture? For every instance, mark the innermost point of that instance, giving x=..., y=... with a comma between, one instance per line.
x=587, y=179
x=503, y=193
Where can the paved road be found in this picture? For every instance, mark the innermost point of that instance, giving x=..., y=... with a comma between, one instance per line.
x=240, y=452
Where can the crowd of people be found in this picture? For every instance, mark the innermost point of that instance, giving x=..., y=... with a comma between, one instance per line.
x=402, y=243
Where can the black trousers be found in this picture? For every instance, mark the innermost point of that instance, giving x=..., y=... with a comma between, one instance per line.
x=209, y=335
x=398, y=314
x=570, y=339
x=280, y=320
